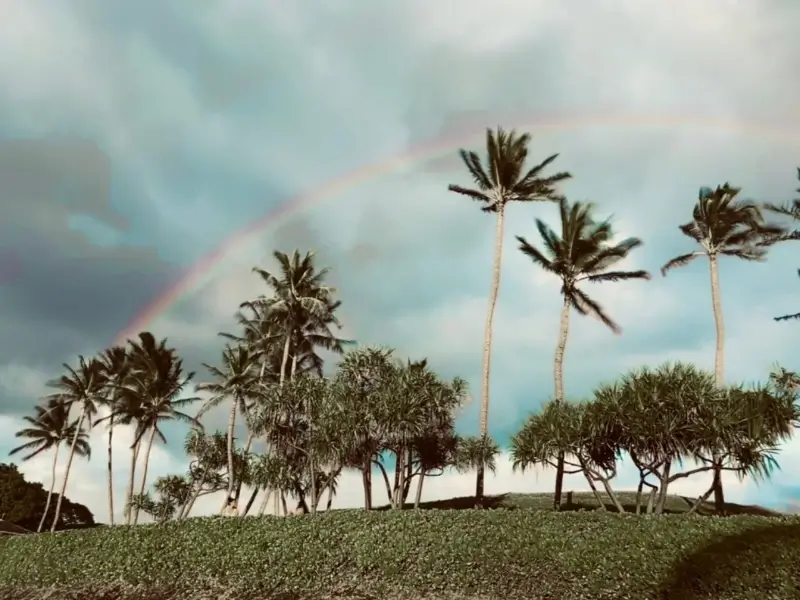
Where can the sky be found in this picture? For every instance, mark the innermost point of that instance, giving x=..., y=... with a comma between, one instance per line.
x=138, y=138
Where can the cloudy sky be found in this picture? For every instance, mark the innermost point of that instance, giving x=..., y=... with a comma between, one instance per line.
x=136, y=138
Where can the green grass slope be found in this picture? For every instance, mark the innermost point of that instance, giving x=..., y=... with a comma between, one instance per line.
x=516, y=552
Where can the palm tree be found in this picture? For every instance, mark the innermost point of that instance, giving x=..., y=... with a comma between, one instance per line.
x=82, y=387
x=50, y=428
x=583, y=252
x=116, y=367
x=299, y=296
x=235, y=380
x=158, y=379
x=501, y=180
x=724, y=225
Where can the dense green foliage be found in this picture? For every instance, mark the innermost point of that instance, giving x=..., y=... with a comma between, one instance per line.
x=409, y=554
x=22, y=503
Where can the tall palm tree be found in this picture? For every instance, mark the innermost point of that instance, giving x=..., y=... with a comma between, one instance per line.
x=158, y=379
x=236, y=381
x=116, y=368
x=81, y=388
x=500, y=180
x=724, y=225
x=584, y=251
x=49, y=429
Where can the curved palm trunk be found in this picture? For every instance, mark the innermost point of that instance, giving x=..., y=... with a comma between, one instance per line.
x=558, y=380
x=110, y=476
x=487, y=345
x=66, y=473
x=231, y=425
x=143, y=485
x=719, y=370
x=131, y=478
x=50, y=491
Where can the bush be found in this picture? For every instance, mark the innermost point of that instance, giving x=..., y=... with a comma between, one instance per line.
x=414, y=554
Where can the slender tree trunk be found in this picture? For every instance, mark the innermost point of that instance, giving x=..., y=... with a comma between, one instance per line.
x=264, y=501
x=285, y=359
x=251, y=500
x=483, y=425
x=143, y=485
x=719, y=372
x=241, y=475
x=110, y=467
x=418, y=497
x=129, y=494
x=66, y=472
x=283, y=504
x=558, y=380
x=330, y=498
x=50, y=491
x=187, y=508
x=366, y=481
x=231, y=425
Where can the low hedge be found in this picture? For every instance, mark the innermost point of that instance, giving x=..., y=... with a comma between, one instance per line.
x=417, y=554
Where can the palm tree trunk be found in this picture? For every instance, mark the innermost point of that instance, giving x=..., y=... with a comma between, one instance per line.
x=249, y=505
x=366, y=480
x=719, y=372
x=110, y=476
x=483, y=425
x=263, y=508
x=239, y=483
x=231, y=425
x=131, y=478
x=50, y=491
x=418, y=497
x=285, y=359
x=558, y=380
x=143, y=485
x=66, y=472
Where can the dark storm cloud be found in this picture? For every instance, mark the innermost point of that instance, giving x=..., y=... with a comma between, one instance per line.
x=67, y=294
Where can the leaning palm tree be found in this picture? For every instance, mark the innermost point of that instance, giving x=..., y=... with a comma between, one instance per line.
x=583, y=252
x=502, y=179
x=49, y=429
x=724, y=225
x=236, y=381
x=82, y=388
x=116, y=367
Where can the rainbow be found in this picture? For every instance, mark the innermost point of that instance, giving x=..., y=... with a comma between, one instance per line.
x=419, y=153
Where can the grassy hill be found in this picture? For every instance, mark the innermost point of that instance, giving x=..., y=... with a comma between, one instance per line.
x=519, y=550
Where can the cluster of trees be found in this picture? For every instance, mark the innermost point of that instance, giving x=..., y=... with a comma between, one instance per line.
x=303, y=428
x=22, y=503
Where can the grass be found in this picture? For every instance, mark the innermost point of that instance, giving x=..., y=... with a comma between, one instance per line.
x=521, y=550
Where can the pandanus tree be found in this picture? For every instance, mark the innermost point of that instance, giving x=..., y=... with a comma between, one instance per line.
x=501, y=179
x=49, y=429
x=235, y=381
x=81, y=388
x=583, y=252
x=723, y=224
